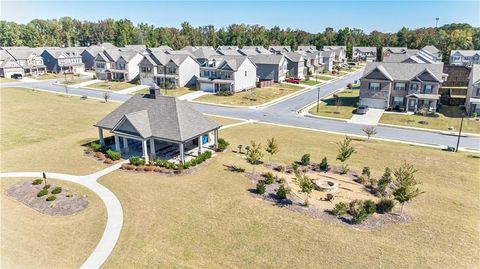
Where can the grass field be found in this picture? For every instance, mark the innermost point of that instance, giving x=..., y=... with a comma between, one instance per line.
x=447, y=117
x=310, y=82
x=34, y=240
x=45, y=131
x=247, y=98
x=76, y=81
x=209, y=219
x=172, y=92
x=111, y=85
x=328, y=107
x=59, y=76
x=2, y=79
x=224, y=121
x=326, y=78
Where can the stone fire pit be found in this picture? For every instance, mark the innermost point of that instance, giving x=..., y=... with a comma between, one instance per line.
x=325, y=185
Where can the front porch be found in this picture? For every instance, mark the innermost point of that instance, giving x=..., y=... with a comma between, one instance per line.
x=422, y=101
x=157, y=148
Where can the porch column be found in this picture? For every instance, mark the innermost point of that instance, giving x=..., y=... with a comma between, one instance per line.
x=215, y=135
x=100, y=136
x=152, y=148
x=182, y=157
x=125, y=145
x=199, y=145
x=117, y=143
x=145, y=151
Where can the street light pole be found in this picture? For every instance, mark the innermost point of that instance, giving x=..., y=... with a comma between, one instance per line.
x=318, y=99
x=460, y=132
x=436, y=22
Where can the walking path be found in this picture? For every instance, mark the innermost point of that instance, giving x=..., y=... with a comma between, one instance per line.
x=112, y=204
x=132, y=89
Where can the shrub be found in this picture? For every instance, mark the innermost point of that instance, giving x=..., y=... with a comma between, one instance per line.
x=305, y=160
x=222, y=144
x=366, y=172
x=370, y=206
x=344, y=169
x=268, y=178
x=261, y=188
x=51, y=198
x=324, y=164
x=95, y=146
x=114, y=155
x=43, y=192
x=37, y=181
x=135, y=160
x=385, y=206
x=186, y=165
x=282, y=192
x=340, y=209
x=358, y=212
x=57, y=190
x=224, y=93
x=46, y=187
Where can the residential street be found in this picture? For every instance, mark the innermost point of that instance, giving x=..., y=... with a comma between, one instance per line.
x=285, y=113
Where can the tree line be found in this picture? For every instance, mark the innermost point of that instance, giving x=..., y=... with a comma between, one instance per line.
x=72, y=32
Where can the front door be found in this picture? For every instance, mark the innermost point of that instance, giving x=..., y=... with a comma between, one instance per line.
x=412, y=104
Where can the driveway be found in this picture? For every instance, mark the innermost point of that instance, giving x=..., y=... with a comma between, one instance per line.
x=372, y=117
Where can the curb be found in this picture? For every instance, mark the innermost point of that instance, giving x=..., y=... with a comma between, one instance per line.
x=464, y=134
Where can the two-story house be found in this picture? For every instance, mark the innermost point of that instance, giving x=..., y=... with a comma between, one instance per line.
x=227, y=73
x=428, y=55
x=388, y=51
x=8, y=66
x=339, y=53
x=326, y=59
x=364, y=54
x=401, y=85
x=63, y=60
x=472, y=103
x=115, y=64
x=28, y=59
x=270, y=67
x=465, y=57
x=295, y=65
x=177, y=70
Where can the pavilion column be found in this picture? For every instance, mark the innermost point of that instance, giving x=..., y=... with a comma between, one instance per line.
x=152, y=148
x=199, y=145
x=125, y=145
x=100, y=136
x=145, y=150
x=117, y=143
x=215, y=135
x=182, y=155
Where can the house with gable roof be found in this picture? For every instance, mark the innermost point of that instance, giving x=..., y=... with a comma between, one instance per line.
x=401, y=85
x=465, y=57
x=472, y=103
x=60, y=60
x=115, y=64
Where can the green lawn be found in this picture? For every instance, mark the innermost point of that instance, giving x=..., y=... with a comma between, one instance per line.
x=76, y=81
x=112, y=85
x=171, y=92
x=449, y=116
x=325, y=78
x=256, y=96
x=310, y=82
x=329, y=108
x=209, y=219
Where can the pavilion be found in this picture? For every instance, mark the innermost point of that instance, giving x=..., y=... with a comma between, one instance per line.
x=161, y=126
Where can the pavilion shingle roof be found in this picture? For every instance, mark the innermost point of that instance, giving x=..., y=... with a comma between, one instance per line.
x=163, y=117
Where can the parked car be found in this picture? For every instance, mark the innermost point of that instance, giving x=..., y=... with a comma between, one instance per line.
x=16, y=76
x=362, y=110
x=293, y=80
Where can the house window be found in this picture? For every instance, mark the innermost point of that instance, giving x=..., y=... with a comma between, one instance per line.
x=414, y=87
x=146, y=69
x=245, y=72
x=374, y=86
x=477, y=92
x=428, y=89
x=227, y=75
x=399, y=86
x=398, y=101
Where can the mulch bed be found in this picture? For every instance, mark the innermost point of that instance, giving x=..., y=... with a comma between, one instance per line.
x=99, y=156
x=26, y=193
x=294, y=203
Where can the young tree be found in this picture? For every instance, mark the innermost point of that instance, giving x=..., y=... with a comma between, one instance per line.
x=272, y=148
x=384, y=182
x=345, y=150
x=305, y=183
x=255, y=154
x=404, y=184
x=369, y=131
x=106, y=96
x=338, y=101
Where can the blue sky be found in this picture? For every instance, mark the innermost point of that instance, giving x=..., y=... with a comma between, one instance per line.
x=312, y=16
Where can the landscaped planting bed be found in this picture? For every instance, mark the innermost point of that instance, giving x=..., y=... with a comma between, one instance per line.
x=104, y=154
x=48, y=199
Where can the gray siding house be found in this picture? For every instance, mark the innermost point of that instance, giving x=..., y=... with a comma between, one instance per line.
x=472, y=103
x=28, y=59
x=401, y=85
x=465, y=57
x=270, y=67
x=60, y=60
x=364, y=54
x=295, y=64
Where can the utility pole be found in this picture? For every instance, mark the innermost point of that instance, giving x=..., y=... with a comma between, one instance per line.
x=460, y=132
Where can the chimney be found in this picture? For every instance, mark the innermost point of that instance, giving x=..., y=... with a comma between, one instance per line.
x=154, y=91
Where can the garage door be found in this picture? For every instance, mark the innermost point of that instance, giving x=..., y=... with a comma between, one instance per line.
x=206, y=87
x=373, y=102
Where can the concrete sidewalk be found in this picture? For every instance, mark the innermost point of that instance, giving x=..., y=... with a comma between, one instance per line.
x=193, y=95
x=132, y=89
x=85, y=83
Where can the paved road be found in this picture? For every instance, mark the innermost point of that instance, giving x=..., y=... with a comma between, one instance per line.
x=114, y=224
x=285, y=113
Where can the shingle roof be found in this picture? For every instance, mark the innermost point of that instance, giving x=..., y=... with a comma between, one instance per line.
x=394, y=49
x=229, y=52
x=204, y=53
x=227, y=48
x=404, y=71
x=475, y=73
x=275, y=59
x=20, y=54
x=365, y=49
x=127, y=55
x=466, y=53
x=305, y=48
x=280, y=48
x=229, y=62
x=163, y=117
x=248, y=52
x=431, y=49
x=293, y=56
